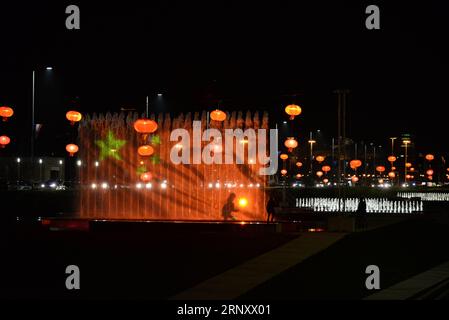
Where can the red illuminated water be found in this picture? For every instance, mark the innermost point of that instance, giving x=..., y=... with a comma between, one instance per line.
x=193, y=191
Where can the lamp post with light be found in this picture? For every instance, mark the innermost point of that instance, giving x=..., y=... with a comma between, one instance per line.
x=406, y=143
x=311, y=142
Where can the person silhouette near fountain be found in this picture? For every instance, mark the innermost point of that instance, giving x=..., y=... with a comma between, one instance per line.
x=271, y=204
x=361, y=221
x=229, y=208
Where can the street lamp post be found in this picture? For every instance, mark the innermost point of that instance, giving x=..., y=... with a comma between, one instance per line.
x=311, y=141
x=40, y=169
x=406, y=143
x=33, y=102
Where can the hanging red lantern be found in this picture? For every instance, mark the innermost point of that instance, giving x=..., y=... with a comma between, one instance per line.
x=218, y=115
x=320, y=158
x=408, y=164
x=291, y=143
x=73, y=116
x=283, y=156
x=6, y=112
x=145, y=150
x=354, y=179
x=283, y=172
x=380, y=169
x=429, y=172
x=354, y=164
x=293, y=110
x=326, y=168
x=325, y=180
x=298, y=176
x=4, y=140
x=392, y=175
x=299, y=164
x=392, y=159
x=145, y=126
x=72, y=149
x=430, y=157
x=319, y=174
x=146, y=176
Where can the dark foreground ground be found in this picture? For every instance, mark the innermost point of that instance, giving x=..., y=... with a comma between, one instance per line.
x=157, y=263
x=123, y=262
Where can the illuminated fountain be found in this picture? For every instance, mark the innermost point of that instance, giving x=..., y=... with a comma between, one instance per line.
x=373, y=205
x=119, y=183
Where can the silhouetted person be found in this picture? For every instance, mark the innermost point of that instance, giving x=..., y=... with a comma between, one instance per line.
x=271, y=204
x=361, y=214
x=362, y=206
x=229, y=208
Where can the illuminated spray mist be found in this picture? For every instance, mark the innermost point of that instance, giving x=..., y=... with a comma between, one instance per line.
x=112, y=168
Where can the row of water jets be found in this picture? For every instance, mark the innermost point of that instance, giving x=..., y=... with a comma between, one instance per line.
x=373, y=205
x=437, y=196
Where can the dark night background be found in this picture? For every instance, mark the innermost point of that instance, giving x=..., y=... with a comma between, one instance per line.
x=252, y=56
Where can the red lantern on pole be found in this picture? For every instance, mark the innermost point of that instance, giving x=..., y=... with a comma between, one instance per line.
x=293, y=110
x=380, y=169
x=72, y=149
x=291, y=143
x=354, y=164
x=73, y=116
x=146, y=176
x=4, y=141
x=6, y=112
x=218, y=115
x=145, y=150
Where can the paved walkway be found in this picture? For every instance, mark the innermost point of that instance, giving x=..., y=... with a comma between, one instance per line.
x=413, y=286
x=236, y=281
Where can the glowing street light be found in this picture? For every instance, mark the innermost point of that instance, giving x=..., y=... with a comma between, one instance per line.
x=311, y=142
x=406, y=143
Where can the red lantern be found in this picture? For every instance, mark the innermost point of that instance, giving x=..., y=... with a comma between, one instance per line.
x=146, y=176
x=145, y=150
x=291, y=143
x=4, y=140
x=354, y=164
x=325, y=180
x=6, y=112
x=298, y=176
x=293, y=110
x=145, y=126
x=392, y=175
x=429, y=157
x=319, y=174
x=392, y=159
x=299, y=164
x=320, y=158
x=73, y=116
x=283, y=156
x=354, y=179
x=72, y=149
x=408, y=164
x=218, y=115
x=380, y=168
x=429, y=172
x=326, y=168
x=283, y=172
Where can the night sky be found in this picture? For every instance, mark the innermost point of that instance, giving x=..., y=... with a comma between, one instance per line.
x=257, y=56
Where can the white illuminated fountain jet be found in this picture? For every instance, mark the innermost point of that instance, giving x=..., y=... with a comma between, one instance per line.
x=348, y=205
